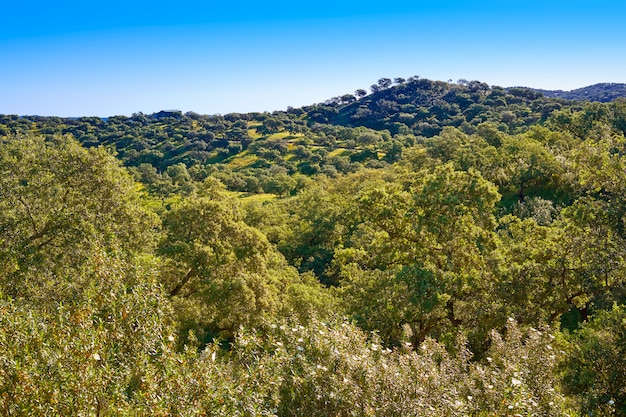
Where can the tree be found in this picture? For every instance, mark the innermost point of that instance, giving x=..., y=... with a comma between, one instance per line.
x=347, y=99
x=62, y=205
x=375, y=88
x=569, y=267
x=527, y=163
x=595, y=369
x=429, y=244
x=360, y=93
x=180, y=178
x=220, y=272
x=102, y=352
x=271, y=125
x=279, y=183
x=384, y=83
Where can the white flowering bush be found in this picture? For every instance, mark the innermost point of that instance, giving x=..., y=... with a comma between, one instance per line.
x=118, y=358
x=337, y=370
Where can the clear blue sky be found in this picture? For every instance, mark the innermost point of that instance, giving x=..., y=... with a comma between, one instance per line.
x=82, y=58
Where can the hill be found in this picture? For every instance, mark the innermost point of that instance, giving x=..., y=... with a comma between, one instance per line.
x=602, y=92
x=423, y=107
x=265, y=152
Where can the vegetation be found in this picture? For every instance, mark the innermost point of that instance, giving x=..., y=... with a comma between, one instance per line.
x=428, y=249
x=603, y=92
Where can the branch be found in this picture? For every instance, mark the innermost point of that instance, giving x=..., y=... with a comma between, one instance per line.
x=176, y=290
x=36, y=234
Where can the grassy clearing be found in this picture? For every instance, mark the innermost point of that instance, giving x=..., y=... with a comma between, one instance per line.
x=241, y=160
x=259, y=198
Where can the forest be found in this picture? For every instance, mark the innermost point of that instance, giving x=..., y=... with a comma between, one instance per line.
x=423, y=248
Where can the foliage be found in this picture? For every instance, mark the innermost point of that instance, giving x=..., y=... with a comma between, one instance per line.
x=594, y=368
x=335, y=369
x=222, y=273
x=603, y=92
x=427, y=248
x=62, y=207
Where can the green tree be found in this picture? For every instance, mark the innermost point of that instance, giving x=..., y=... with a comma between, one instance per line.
x=429, y=244
x=595, y=369
x=220, y=272
x=527, y=163
x=271, y=125
x=62, y=205
x=574, y=264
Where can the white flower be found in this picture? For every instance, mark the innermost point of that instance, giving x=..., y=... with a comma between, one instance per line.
x=170, y=338
x=96, y=357
x=515, y=382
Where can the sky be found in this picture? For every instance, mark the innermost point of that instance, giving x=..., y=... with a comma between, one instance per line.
x=91, y=58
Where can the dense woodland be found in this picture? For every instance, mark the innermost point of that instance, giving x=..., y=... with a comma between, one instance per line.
x=421, y=249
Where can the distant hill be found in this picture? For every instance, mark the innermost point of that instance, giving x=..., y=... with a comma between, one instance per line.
x=423, y=107
x=602, y=92
x=262, y=151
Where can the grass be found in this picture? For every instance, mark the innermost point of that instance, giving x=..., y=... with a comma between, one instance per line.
x=260, y=198
x=339, y=152
x=242, y=159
